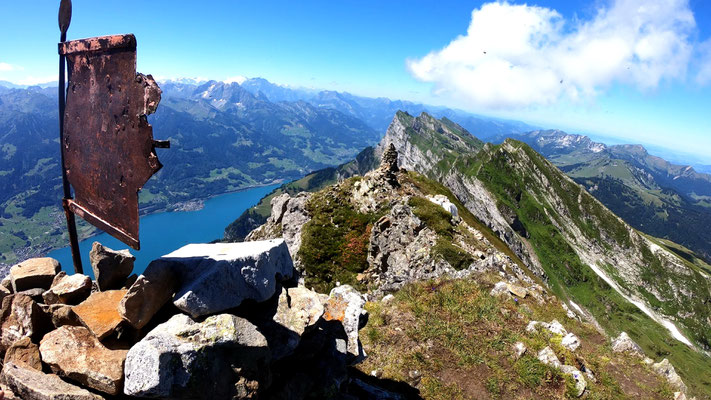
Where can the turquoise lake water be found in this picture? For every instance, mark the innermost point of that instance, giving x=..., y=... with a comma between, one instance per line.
x=161, y=233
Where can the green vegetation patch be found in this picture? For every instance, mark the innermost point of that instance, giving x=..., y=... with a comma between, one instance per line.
x=334, y=245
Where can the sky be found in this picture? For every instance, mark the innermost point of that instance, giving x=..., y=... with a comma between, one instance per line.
x=634, y=70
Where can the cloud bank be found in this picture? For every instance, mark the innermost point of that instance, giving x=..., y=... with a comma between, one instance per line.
x=515, y=56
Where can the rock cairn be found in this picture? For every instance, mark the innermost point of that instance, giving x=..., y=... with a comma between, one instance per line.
x=208, y=321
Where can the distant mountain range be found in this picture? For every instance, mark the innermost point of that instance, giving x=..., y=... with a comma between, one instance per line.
x=657, y=197
x=224, y=137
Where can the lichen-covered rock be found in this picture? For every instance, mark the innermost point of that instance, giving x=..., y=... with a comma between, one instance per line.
x=220, y=276
x=665, y=369
x=111, y=267
x=517, y=290
x=21, y=317
x=68, y=289
x=221, y=357
x=30, y=384
x=100, y=312
x=74, y=352
x=24, y=353
x=34, y=273
x=150, y=291
x=580, y=383
x=623, y=344
x=345, y=305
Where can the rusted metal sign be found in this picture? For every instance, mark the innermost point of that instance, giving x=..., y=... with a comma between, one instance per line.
x=107, y=144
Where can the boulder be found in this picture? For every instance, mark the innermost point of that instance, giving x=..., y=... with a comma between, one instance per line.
x=345, y=305
x=100, y=312
x=556, y=328
x=623, y=344
x=111, y=267
x=216, y=277
x=151, y=291
x=298, y=309
x=68, y=289
x=500, y=289
x=570, y=342
x=34, y=273
x=580, y=383
x=35, y=294
x=21, y=317
x=74, y=352
x=516, y=290
x=6, y=285
x=665, y=369
x=30, y=384
x=25, y=354
x=224, y=355
x=547, y=356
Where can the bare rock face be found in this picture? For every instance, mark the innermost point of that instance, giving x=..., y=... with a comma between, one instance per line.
x=74, y=352
x=345, y=305
x=151, y=291
x=68, y=289
x=224, y=356
x=217, y=277
x=111, y=267
x=30, y=384
x=21, y=317
x=286, y=221
x=34, y=273
x=100, y=312
x=665, y=369
x=25, y=354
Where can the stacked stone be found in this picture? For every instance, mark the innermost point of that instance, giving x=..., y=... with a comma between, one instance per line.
x=206, y=321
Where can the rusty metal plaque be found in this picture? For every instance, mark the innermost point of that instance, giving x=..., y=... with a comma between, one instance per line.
x=108, y=144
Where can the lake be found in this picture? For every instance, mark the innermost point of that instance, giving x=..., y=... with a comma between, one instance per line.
x=161, y=233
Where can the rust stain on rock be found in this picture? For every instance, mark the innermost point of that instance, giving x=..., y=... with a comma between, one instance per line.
x=100, y=312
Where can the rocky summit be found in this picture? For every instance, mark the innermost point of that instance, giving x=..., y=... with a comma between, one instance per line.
x=208, y=321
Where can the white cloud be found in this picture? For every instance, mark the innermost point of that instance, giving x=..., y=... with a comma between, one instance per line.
x=36, y=80
x=5, y=67
x=703, y=76
x=515, y=56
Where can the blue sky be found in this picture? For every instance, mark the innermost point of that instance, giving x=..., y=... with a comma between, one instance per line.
x=642, y=84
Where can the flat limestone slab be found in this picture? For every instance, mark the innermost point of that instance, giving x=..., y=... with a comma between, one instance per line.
x=216, y=277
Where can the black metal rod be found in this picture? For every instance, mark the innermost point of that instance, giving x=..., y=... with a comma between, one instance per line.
x=64, y=18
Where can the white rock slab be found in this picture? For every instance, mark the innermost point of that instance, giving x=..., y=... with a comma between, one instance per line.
x=219, y=276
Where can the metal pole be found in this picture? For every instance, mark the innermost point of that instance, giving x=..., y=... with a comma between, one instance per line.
x=65, y=17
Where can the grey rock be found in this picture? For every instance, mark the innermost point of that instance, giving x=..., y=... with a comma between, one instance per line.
x=68, y=289
x=111, y=267
x=519, y=350
x=623, y=344
x=443, y=201
x=30, y=384
x=21, y=317
x=547, y=356
x=665, y=369
x=217, y=277
x=286, y=221
x=570, y=342
x=500, y=289
x=34, y=273
x=150, y=291
x=345, y=304
x=184, y=358
x=298, y=309
x=580, y=383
